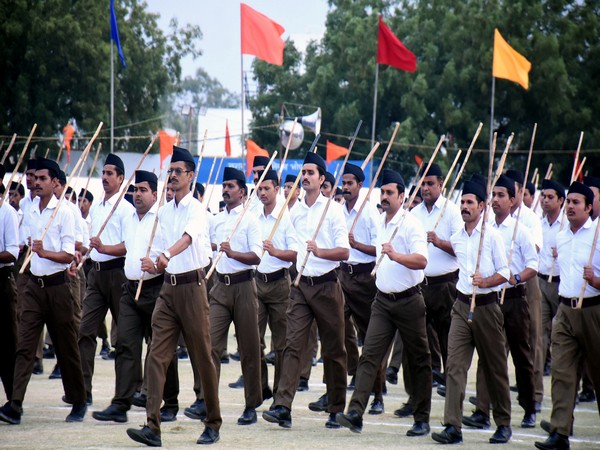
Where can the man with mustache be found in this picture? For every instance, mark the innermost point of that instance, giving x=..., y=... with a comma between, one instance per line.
x=485, y=333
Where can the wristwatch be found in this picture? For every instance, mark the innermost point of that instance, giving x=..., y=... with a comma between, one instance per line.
x=167, y=254
x=518, y=279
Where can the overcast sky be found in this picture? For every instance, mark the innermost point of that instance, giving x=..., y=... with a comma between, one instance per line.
x=220, y=25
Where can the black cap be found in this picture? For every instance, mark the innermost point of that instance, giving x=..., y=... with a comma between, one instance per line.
x=434, y=171
x=114, y=160
x=353, y=169
x=31, y=164
x=144, y=175
x=62, y=177
x=199, y=188
x=182, y=154
x=329, y=177
x=530, y=187
x=130, y=189
x=260, y=161
x=412, y=189
x=580, y=188
x=473, y=187
x=271, y=175
x=289, y=178
x=592, y=182
x=43, y=163
x=222, y=204
x=551, y=184
x=88, y=195
x=390, y=176
x=477, y=178
x=313, y=158
x=231, y=173
x=338, y=191
x=516, y=175
x=69, y=191
x=2, y=172
x=508, y=183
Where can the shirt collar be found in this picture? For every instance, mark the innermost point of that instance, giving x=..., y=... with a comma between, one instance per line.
x=51, y=204
x=274, y=213
x=506, y=223
x=237, y=210
x=320, y=199
x=185, y=201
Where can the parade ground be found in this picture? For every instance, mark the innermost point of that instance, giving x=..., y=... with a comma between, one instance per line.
x=43, y=425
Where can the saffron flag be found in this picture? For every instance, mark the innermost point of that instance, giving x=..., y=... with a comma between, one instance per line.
x=334, y=152
x=69, y=131
x=261, y=36
x=252, y=150
x=114, y=32
x=392, y=52
x=166, y=142
x=227, y=139
x=508, y=63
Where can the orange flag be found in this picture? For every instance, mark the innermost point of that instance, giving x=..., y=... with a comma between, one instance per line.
x=261, y=36
x=167, y=141
x=508, y=63
x=252, y=150
x=334, y=151
x=227, y=139
x=69, y=131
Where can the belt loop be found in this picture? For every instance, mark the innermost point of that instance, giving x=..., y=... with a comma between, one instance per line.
x=350, y=269
x=199, y=275
x=425, y=281
x=310, y=281
x=97, y=265
x=227, y=280
x=41, y=282
x=173, y=280
x=264, y=277
x=574, y=303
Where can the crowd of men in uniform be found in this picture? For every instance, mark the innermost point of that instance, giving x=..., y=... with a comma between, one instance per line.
x=304, y=269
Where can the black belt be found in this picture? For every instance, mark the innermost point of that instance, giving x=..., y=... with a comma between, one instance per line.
x=555, y=278
x=452, y=276
x=273, y=276
x=312, y=281
x=116, y=263
x=520, y=290
x=193, y=276
x=355, y=269
x=480, y=299
x=400, y=295
x=151, y=282
x=587, y=302
x=56, y=279
x=235, y=278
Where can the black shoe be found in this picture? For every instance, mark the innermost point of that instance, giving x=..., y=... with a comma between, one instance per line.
x=441, y=390
x=332, y=422
x=38, y=367
x=587, y=396
x=353, y=421
x=225, y=359
x=554, y=442
x=477, y=420
x=435, y=384
x=182, y=353
x=110, y=356
x=105, y=350
x=208, y=436
x=88, y=399
x=267, y=393
x=10, y=415
x=502, y=435
x=391, y=375
x=139, y=400
x=270, y=358
x=320, y=405
x=514, y=388
x=279, y=415
x=196, y=411
x=239, y=384
x=547, y=369
x=48, y=353
x=77, y=413
x=111, y=414
x=438, y=376
x=145, y=436
x=473, y=400
x=248, y=417
x=55, y=375
x=235, y=356
x=166, y=415
x=419, y=429
x=528, y=420
x=302, y=385
x=376, y=407
x=450, y=435
x=405, y=411
x=352, y=384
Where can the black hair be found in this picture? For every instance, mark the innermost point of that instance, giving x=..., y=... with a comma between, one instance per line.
x=19, y=188
x=189, y=166
x=242, y=185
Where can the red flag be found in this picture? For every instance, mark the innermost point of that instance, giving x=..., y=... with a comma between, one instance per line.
x=418, y=160
x=166, y=142
x=334, y=151
x=227, y=139
x=261, y=36
x=392, y=52
x=577, y=167
x=252, y=150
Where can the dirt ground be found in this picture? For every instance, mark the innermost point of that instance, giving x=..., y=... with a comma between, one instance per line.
x=43, y=425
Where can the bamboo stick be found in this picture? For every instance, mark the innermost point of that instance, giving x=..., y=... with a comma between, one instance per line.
x=20, y=160
x=10, y=146
x=287, y=149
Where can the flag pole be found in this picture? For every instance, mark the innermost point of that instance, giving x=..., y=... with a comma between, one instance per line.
x=373, y=122
x=243, y=107
x=112, y=96
x=492, y=112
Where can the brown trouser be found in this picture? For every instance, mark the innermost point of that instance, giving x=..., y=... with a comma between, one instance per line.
x=486, y=334
x=534, y=298
x=104, y=290
x=273, y=301
x=182, y=308
x=324, y=303
x=310, y=352
x=407, y=316
x=8, y=328
x=55, y=307
x=238, y=303
x=549, y=309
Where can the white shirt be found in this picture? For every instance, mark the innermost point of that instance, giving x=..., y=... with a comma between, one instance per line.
x=440, y=262
x=493, y=257
x=137, y=236
x=524, y=254
x=283, y=239
x=113, y=232
x=332, y=234
x=59, y=238
x=79, y=224
x=573, y=254
x=550, y=232
x=247, y=238
x=410, y=239
x=25, y=205
x=532, y=223
x=9, y=231
x=188, y=217
x=365, y=230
